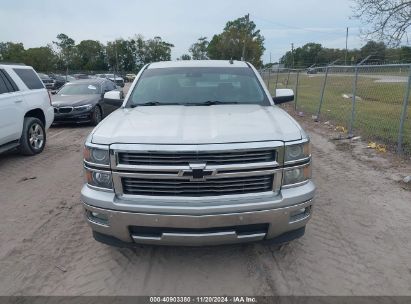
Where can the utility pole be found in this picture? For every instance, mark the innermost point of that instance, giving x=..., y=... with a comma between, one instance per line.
x=292, y=53
x=116, y=62
x=346, y=47
x=247, y=18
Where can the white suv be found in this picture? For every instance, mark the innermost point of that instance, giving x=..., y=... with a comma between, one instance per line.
x=25, y=110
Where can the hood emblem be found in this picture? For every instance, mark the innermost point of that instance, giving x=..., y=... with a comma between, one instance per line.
x=197, y=172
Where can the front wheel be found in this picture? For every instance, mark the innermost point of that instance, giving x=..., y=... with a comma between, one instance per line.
x=33, y=138
x=96, y=116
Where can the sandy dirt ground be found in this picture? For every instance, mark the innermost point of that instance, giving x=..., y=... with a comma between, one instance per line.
x=357, y=243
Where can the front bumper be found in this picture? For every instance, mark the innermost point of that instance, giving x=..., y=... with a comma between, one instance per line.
x=73, y=117
x=49, y=113
x=257, y=220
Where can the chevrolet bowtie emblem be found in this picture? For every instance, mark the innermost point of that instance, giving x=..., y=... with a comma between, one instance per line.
x=197, y=172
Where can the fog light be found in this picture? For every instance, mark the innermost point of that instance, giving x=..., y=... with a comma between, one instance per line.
x=299, y=214
x=102, y=178
x=98, y=217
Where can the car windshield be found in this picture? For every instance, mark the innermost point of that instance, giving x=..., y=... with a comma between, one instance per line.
x=80, y=89
x=43, y=76
x=198, y=86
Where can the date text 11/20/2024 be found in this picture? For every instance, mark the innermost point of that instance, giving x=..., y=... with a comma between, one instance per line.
x=203, y=299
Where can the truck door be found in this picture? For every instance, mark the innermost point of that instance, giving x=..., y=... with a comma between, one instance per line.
x=11, y=109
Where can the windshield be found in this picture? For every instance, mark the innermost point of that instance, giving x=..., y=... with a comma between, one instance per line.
x=80, y=89
x=43, y=76
x=198, y=86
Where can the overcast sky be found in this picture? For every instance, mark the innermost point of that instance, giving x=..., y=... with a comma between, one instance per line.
x=181, y=22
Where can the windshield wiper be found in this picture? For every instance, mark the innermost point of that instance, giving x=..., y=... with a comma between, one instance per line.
x=153, y=103
x=211, y=102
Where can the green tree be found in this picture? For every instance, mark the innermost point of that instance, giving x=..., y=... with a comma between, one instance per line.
x=185, y=57
x=139, y=51
x=405, y=54
x=305, y=56
x=229, y=44
x=11, y=52
x=65, y=51
x=41, y=58
x=375, y=49
x=121, y=55
x=157, y=50
x=198, y=50
x=315, y=54
x=90, y=56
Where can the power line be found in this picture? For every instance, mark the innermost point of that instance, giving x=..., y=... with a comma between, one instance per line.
x=336, y=31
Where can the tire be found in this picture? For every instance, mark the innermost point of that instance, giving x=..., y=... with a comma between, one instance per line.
x=33, y=137
x=96, y=116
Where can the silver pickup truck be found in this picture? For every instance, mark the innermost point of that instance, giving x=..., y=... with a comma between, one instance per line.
x=198, y=154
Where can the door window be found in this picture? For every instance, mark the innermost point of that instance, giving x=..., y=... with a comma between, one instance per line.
x=30, y=78
x=3, y=87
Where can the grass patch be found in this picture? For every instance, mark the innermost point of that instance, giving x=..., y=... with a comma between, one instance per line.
x=377, y=115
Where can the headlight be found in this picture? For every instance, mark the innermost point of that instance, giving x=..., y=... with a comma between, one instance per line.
x=97, y=156
x=295, y=175
x=297, y=152
x=98, y=178
x=83, y=108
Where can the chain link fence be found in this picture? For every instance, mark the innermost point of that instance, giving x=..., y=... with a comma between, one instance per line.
x=367, y=100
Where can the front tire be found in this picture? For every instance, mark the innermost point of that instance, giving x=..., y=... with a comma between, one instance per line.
x=96, y=116
x=33, y=138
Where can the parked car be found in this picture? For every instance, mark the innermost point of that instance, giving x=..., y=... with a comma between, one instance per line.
x=311, y=71
x=116, y=79
x=130, y=77
x=70, y=78
x=80, y=76
x=82, y=101
x=100, y=75
x=47, y=80
x=25, y=110
x=199, y=154
x=59, y=81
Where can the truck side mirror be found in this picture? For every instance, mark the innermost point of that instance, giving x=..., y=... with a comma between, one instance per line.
x=113, y=97
x=283, y=95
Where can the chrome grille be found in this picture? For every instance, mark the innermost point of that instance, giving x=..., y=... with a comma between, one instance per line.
x=185, y=187
x=181, y=158
x=63, y=110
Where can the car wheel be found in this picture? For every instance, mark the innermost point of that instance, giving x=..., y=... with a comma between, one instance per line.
x=33, y=138
x=97, y=116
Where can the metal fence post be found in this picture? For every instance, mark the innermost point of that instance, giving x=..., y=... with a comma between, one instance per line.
x=276, y=80
x=354, y=91
x=269, y=76
x=404, y=113
x=288, y=78
x=296, y=91
x=322, y=92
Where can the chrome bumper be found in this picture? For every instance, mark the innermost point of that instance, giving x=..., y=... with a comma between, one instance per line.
x=278, y=214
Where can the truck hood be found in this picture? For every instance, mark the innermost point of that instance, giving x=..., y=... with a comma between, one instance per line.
x=196, y=125
x=74, y=100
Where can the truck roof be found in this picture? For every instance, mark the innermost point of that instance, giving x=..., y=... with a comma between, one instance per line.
x=15, y=65
x=197, y=63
